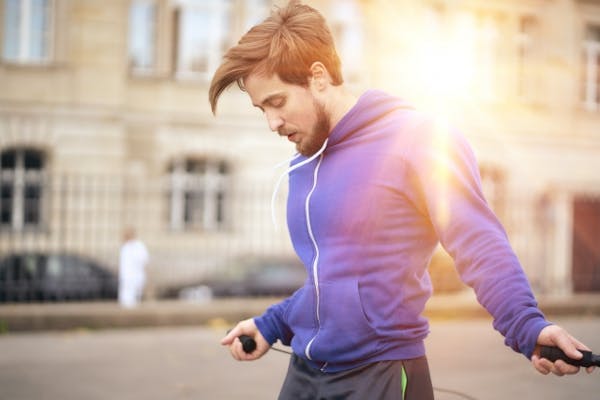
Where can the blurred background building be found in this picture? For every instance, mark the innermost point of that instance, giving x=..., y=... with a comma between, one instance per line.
x=105, y=123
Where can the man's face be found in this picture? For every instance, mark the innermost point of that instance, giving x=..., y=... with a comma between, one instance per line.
x=291, y=111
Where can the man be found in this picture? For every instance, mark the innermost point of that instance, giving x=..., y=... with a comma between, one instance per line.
x=133, y=258
x=376, y=185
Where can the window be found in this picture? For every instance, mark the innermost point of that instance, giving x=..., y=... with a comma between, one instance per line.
x=527, y=74
x=458, y=55
x=202, y=30
x=591, y=68
x=487, y=55
x=198, y=190
x=21, y=188
x=186, y=39
x=142, y=36
x=347, y=28
x=28, y=30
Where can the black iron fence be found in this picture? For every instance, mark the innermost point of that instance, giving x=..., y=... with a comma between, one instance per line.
x=192, y=231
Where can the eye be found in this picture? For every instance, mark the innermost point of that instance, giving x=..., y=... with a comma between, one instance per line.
x=278, y=102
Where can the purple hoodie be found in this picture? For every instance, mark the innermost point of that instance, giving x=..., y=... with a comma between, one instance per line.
x=365, y=217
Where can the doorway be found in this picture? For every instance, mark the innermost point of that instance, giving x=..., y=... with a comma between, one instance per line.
x=586, y=244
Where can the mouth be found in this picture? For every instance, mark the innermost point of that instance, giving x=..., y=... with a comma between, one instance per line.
x=291, y=136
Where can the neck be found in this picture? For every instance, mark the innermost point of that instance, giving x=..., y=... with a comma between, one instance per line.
x=339, y=103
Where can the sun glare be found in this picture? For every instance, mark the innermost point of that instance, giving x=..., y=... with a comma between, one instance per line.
x=441, y=172
x=445, y=71
x=447, y=62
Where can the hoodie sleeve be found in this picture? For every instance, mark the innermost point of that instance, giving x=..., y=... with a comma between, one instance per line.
x=445, y=185
x=272, y=324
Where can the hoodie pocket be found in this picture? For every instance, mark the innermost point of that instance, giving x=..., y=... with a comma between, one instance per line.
x=301, y=317
x=345, y=333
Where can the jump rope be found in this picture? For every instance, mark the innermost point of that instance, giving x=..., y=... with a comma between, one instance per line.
x=549, y=352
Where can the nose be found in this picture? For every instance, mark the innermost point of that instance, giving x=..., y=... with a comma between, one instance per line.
x=274, y=121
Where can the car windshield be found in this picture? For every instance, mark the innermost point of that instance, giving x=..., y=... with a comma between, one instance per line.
x=53, y=267
x=67, y=267
x=19, y=268
x=53, y=277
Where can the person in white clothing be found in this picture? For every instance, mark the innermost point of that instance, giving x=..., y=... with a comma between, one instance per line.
x=133, y=259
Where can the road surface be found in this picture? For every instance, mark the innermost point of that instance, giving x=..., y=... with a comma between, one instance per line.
x=188, y=363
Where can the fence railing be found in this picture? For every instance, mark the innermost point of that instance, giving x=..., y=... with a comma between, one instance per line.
x=85, y=216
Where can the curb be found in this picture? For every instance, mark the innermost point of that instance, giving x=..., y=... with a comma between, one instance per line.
x=108, y=315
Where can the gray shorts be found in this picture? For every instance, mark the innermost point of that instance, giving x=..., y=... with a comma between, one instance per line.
x=384, y=380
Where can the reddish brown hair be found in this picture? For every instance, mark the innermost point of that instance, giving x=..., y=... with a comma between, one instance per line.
x=287, y=43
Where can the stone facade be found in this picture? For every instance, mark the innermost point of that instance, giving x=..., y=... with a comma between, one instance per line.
x=124, y=139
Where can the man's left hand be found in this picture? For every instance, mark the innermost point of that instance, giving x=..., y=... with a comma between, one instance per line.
x=554, y=335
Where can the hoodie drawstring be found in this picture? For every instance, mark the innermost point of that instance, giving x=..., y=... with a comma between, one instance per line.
x=286, y=173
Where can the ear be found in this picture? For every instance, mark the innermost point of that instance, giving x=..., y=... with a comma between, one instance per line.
x=319, y=76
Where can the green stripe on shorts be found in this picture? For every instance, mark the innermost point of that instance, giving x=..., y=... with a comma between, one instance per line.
x=404, y=382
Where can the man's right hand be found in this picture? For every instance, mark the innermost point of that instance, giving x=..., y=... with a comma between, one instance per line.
x=246, y=327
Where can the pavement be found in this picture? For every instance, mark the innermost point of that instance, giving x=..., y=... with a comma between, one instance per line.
x=221, y=312
x=187, y=363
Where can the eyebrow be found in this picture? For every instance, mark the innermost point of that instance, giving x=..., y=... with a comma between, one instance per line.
x=268, y=99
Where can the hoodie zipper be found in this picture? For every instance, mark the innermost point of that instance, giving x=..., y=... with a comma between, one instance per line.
x=318, y=154
x=315, y=263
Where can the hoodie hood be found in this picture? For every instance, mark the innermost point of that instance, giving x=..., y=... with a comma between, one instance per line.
x=371, y=106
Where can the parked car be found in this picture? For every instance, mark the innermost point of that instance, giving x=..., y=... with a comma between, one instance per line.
x=41, y=276
x=266, y=277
